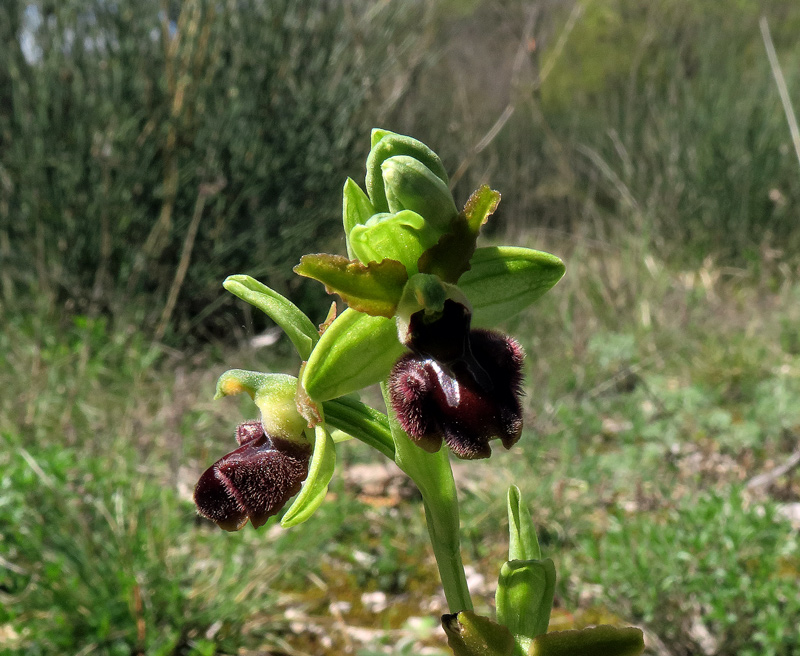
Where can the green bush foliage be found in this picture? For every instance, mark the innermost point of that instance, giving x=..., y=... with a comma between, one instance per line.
x=124, y=129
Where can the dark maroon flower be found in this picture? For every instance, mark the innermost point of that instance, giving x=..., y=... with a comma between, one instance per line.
x=253, y=482
x=458, y=385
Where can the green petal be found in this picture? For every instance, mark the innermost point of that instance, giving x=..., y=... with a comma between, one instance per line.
x=315, y=487
x=356, y=210
x=281, y=310
x=356, y=351
x=403, y=236
x=596, y=641
x=374, y=288
x=502, y=281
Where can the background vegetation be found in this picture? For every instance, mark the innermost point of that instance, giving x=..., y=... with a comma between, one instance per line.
x=148, y=149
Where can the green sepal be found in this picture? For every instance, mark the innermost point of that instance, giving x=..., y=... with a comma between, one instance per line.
x=373, y=288
x=410, y=185
x=387, y=144
x=356, y=210
x=524, y=597
x=450, y=257
x=356, y=351
x=273, y=394
x=469, y=634
x=320, y=472
x=281, y=310
x=360, y=421
x=504, y=280
x=522, y=541
x=596, y=641
x=403, y=236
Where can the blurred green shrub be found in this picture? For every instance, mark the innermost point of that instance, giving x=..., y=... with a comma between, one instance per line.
x=124, y=129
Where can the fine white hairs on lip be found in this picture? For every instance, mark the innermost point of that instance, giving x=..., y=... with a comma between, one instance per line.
x=448, y=384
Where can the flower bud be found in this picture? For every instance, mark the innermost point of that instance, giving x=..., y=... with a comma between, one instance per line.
x=403, y=236
x=410, y=185
x=387, y=144
x=253, y=482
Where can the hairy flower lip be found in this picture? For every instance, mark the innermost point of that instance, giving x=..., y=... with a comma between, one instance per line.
x=254, y=481
x=465, y=402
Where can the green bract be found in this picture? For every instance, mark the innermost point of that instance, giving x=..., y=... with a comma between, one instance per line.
x=469, y=634
x=596, y=641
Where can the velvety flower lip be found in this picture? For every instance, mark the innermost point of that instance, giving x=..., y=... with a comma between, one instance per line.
x=458, y=385
x=254, y=481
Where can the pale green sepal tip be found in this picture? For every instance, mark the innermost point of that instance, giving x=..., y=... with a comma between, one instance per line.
x=600, y=640
x=282, y=311
x=522, y=541
x=524, y=597
x=376, y=135
x=320, y=472
x=504, y=280
x=273, y=394
x=356, y=210
x=356, y=351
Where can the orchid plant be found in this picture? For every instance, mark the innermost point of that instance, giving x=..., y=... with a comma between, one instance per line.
x=422, y=301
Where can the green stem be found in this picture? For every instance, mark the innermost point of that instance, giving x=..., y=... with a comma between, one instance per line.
x=362, y=422
x=434, y=477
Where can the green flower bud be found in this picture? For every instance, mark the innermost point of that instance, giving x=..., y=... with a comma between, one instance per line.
x=524, y=597
x=410, y=185
x=387, y=144
x=403, y=236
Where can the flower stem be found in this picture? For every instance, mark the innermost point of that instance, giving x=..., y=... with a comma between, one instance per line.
x=434, y=477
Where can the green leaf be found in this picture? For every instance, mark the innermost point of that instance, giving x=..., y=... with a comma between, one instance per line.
x=360, y=421
x=356, y=351
x=373, y=288
x=320, y=472
x=356, y=210
x=502, y=281
x=522, y=541
x=596, y=641
x=469, y=634
x=524, y=597
x=281, y=310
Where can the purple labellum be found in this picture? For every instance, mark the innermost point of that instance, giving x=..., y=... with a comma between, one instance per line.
x=467, y=401
x=253, y=482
